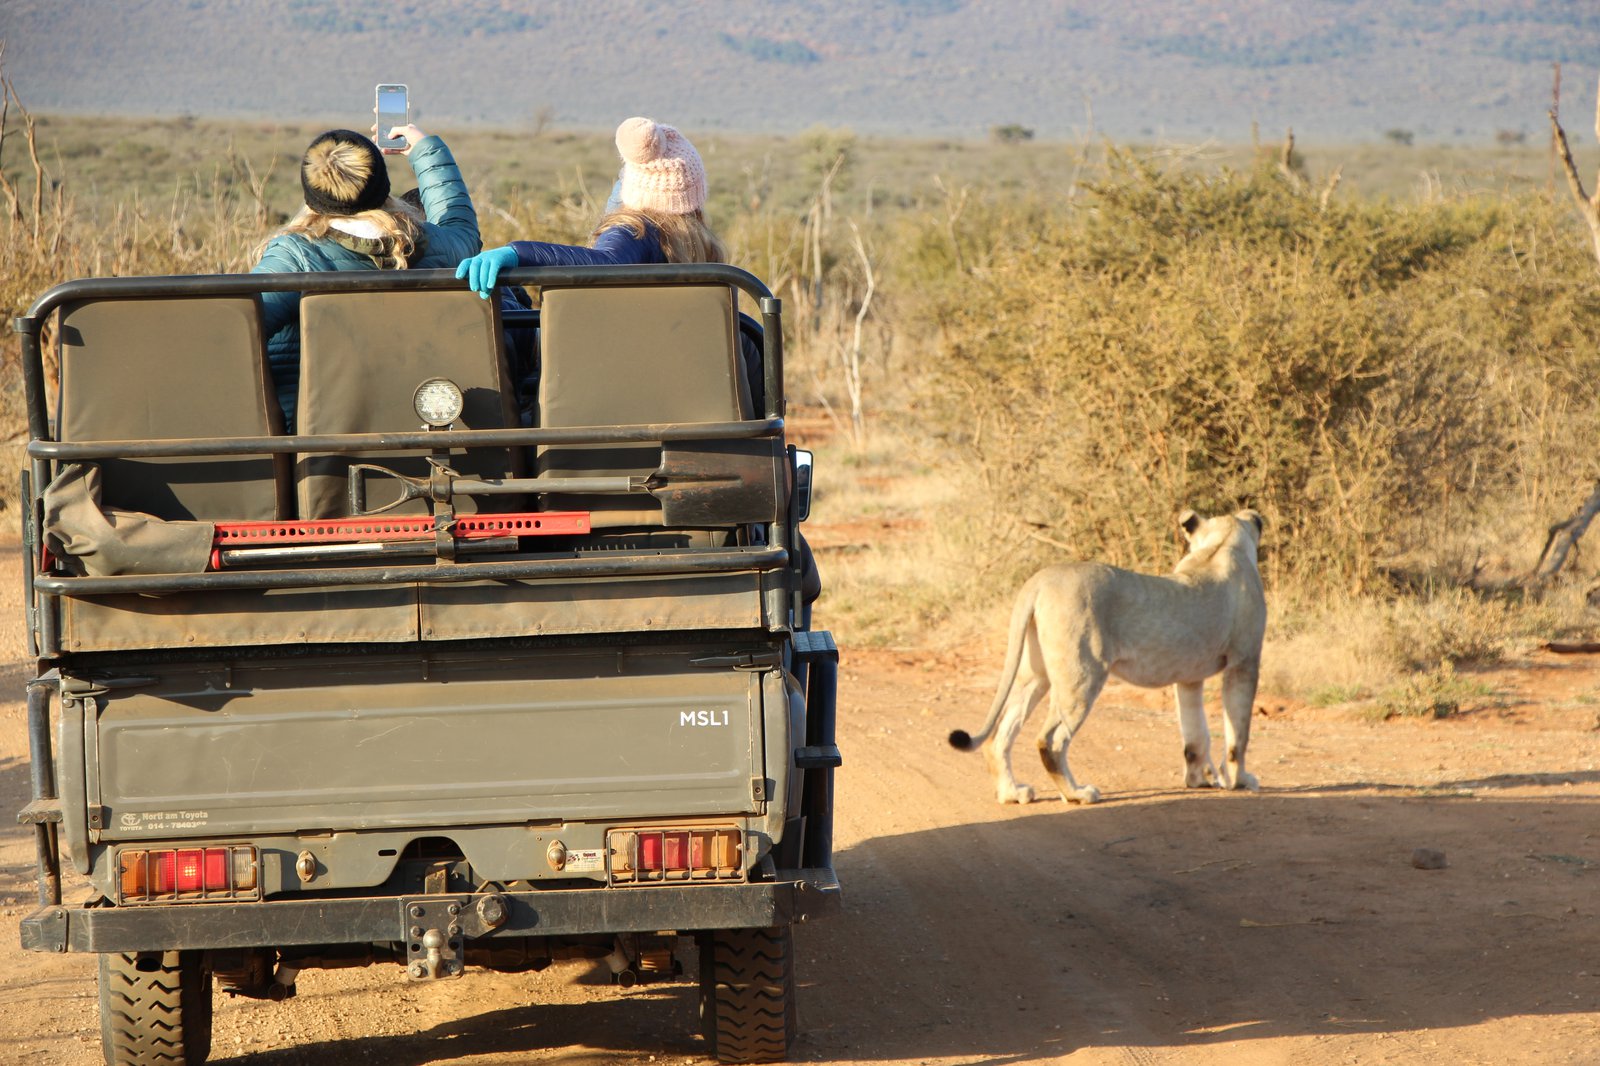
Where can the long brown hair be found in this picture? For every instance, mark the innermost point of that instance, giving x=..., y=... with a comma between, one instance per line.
x=399, y=223
x=684, y=238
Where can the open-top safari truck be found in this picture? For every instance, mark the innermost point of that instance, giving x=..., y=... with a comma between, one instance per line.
x=452, y=676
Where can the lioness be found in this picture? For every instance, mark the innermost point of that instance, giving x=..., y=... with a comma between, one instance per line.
x=1075, y=624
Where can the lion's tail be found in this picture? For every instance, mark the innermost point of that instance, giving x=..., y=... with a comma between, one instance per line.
x=1021, y=619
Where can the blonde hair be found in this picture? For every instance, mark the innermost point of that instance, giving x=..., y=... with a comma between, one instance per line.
x=398, y=222
x=685, y=238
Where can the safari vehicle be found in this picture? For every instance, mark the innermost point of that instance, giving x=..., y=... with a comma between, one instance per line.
x=431, y=681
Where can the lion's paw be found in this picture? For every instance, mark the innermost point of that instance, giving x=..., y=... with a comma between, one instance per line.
x=1244, y=781
x=1084, y=794
x=1017, y=794
x=1198, y=776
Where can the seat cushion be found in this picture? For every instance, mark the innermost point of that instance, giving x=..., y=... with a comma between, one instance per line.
x=174, y=367
x=362, y=356
x=633, y=356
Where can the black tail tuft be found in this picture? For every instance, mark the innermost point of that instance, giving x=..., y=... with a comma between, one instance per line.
x=960, y=740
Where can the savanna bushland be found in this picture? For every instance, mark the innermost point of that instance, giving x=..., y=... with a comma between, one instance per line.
x=1024, y=352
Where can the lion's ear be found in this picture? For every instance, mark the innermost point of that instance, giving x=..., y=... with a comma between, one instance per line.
x=1250, y=515
x=1188, y=521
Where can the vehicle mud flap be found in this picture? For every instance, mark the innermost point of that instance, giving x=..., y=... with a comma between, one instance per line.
x=789, y=851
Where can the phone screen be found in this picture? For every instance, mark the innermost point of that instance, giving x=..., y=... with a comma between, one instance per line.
x=391, y=113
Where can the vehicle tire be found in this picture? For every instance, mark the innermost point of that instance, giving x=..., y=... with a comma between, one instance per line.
x=155, y=1017
x=747, y=1000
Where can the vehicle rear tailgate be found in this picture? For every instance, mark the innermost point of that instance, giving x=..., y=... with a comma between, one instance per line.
x=222, y=750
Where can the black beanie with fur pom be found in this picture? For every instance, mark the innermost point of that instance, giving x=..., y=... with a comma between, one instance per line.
x=343, y=173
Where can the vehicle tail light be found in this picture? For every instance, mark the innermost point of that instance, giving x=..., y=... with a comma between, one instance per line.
x=188, y=875
x=640, y=856
x=189, y=879
x=675, y=851
x=217, y=869
x=164, y=880
x=245, y=869
x=132, y=880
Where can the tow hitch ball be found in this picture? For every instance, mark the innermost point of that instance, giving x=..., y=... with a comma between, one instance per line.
x=436, y=931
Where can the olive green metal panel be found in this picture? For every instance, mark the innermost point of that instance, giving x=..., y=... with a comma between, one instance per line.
x=240, y=618
x=407, y=742
x=664, y=603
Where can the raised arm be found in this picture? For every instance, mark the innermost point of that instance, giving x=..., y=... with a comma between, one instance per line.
x=445, y=200
x=616, y=246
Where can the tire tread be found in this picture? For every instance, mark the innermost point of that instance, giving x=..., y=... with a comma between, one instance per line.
x=161, y=1018
x=747, y=993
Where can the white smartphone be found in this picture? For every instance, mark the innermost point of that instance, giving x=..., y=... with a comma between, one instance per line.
x=394, y=109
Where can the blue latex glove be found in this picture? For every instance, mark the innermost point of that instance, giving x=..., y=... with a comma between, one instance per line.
x=482, y=269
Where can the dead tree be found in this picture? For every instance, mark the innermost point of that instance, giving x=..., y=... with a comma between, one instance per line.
x=1564, y=536
x=1588, y=206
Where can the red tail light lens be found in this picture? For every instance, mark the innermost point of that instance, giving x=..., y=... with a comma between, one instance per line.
x=216, y=869
x=649, y=851
x=189, y=878
x=188, y=875
x=675, y=848
x=163, y=880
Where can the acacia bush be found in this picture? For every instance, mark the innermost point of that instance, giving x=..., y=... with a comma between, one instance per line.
x=1388, y=383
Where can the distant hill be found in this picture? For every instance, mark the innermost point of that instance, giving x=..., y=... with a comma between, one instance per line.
x=1442, y=70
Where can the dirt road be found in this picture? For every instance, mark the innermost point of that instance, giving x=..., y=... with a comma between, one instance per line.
x=1158, y=927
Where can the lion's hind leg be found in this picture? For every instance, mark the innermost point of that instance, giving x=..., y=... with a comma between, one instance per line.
x=1026, y=693
x=1198, y=769
x=1069, y=706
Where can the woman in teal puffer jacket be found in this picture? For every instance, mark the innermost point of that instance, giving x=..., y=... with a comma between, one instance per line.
x=351, y=222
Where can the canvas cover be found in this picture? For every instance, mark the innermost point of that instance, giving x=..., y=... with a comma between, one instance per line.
x=628, y=355
x=96, y=541
x=159, y=368
x=362, y=356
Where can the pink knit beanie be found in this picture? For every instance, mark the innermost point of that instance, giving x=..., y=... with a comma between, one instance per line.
x=661, y=170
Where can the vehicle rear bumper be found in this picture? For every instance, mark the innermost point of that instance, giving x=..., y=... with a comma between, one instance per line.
x=796, y=896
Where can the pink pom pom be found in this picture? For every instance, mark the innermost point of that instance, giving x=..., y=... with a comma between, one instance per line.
x=639, y=140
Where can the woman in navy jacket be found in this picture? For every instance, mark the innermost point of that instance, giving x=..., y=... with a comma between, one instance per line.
x=660, y=218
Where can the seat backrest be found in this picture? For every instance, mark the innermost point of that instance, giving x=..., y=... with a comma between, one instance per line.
x=629, y=355
x=159, y=368
x=362, y=356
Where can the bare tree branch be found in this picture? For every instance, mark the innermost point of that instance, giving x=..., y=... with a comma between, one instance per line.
x=14, y=201
x=852, y=356
x=1588, y=206
x=1562, y=538
x=1286, y=161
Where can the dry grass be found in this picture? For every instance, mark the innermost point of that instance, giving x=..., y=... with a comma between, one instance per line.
x=1351, y=649
x=1057, y=356
x=892, y=567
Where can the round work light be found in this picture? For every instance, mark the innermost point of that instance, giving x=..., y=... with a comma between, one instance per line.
x=438, y=402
